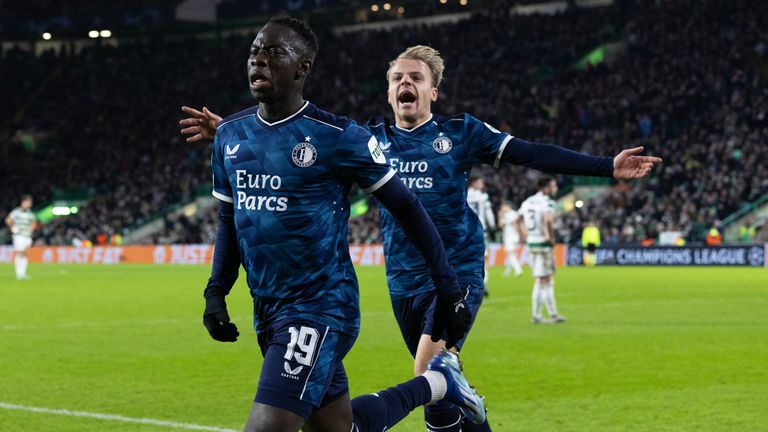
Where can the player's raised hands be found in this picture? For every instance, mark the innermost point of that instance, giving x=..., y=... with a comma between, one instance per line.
x=628, y=165
x=201, y=125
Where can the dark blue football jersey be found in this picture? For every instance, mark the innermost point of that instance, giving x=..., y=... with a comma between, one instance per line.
x=289, y=181
x=434, y=160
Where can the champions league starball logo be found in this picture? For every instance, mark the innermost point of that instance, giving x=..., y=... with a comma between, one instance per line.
x=442, y=144
x=575, y=256
x=304, y=154
x=756, y=256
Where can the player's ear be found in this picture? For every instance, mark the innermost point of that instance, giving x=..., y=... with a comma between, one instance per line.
x=434, y=94
x=304, y=67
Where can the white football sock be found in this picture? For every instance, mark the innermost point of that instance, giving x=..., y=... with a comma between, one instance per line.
x=515, y=263
x=437, y=384
x=550, y=298
x=21, y=265
x=536, y=299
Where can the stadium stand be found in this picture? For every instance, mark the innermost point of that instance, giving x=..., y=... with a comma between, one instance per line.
x=20, y=18
x=81, y=119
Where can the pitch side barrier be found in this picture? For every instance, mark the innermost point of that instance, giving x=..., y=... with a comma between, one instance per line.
x=362, y=255
x=365, y=255
x=721, y=256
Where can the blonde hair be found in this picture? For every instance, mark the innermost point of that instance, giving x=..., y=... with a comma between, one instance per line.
x=429, y=56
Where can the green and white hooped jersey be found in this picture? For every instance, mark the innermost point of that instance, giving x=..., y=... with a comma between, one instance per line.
x=533, y=210
x=23, y=222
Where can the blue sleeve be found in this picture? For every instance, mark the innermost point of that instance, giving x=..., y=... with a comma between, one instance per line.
x=402, y=203
x=360, y=159
x=222, y=189
x=556, y=159
x=226, y=256
x=485, y=142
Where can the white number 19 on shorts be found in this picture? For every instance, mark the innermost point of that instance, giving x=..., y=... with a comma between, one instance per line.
x=302, y=345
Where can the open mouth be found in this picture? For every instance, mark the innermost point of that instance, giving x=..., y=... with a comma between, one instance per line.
x=407, y=99
x=259, y=80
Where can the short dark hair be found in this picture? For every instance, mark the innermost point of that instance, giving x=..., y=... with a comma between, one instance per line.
x=544, y=181
x=26, y=197
x=474, y=177
x=300, y=28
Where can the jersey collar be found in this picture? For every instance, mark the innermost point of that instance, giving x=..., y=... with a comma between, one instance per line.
x=285, y=120
x=415, y=128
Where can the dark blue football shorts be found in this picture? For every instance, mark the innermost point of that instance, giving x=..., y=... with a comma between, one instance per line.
x=302, y=368
x=415, y=314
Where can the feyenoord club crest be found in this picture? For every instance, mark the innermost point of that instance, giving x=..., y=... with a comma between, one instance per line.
x=304, y=154
x=442, y=144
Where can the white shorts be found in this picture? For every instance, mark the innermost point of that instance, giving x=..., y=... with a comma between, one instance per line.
x=542, y=261
x=511, y=247
x=21, y=243
x=511, y=240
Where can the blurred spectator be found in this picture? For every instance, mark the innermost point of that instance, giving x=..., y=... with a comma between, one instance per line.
x=116, y=239
x=747, y=231
x=714, y=238
x=590, y=241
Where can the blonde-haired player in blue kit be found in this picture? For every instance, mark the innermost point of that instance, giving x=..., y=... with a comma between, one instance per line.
x=433, y=155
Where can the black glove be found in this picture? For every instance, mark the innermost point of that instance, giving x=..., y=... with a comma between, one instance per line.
x=216, y=320
x=453, y=316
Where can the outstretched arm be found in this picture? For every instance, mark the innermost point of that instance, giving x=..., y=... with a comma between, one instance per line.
x=627, y=165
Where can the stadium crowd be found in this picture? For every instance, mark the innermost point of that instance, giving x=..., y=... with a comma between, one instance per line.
x=698, y=102
x=689, y=83
x=104, y=130
x=18, y=17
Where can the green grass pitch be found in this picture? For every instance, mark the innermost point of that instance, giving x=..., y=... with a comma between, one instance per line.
x=644, y=349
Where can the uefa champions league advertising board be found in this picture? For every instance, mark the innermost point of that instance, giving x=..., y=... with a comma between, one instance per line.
x=741, y=256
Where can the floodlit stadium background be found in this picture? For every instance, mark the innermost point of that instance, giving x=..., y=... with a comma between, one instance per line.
x=88, y=125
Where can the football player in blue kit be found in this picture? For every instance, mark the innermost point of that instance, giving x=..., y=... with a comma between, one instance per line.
x=283, y=170
x=433, y=156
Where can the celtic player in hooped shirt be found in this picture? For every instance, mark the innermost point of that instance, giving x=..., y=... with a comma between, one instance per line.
x=433, y=155
x=282, y=170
